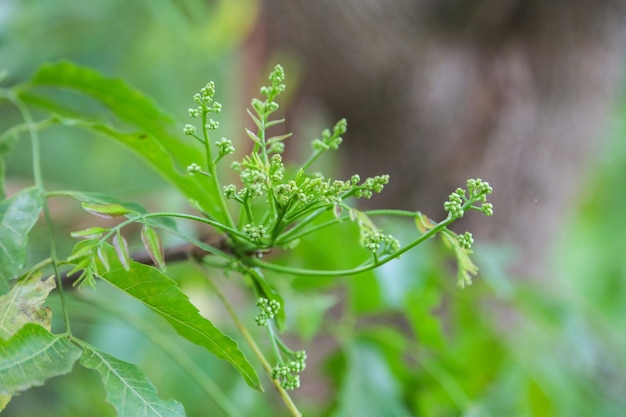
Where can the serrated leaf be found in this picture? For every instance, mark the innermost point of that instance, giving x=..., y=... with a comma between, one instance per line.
x=152, y=243
x=121, y=249
x=162, y=295
x=24, y=304
x=33, y=355
x=127, y=388
x=106, y=210
x=18, y=215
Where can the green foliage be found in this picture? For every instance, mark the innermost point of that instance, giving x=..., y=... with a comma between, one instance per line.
x=18, y=215
x=128, y=390
x=271, y=209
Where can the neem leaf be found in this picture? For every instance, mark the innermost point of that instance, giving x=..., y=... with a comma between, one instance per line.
x=24, y=304
x=89, y=233
x=33, y=355
x=106, y=210
x=121, y=249
x=127, y=387
x=156, y=141
x=152, y=243
x=162, y=295
x=18, y=215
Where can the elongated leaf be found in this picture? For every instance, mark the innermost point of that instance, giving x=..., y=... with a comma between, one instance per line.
x=96, y=199
x=32, y=356
x=127, y=388
x=24, y=304
x=18, y=215
x=162, y=295
x=152, y=243
x=121, y=249
x=106, y=210
x=155, y=142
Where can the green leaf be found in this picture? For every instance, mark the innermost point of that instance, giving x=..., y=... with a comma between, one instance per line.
x=95, y=199
x=18, y=215
x=24, y=304
x=152, y=243
x=162, y=295
x=121, y=249
x=106, y=210
x=32, y=356
x=155, y=142
x=127, y=388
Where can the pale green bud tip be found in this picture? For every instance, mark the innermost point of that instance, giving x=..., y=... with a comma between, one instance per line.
x=278, y=75
x=197, y=112
x=189, y=130
x=193, y=168
x=212, y=124
x=466, y=240
x=225, y=147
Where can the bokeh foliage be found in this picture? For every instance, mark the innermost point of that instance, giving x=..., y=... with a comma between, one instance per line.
x=406, y=341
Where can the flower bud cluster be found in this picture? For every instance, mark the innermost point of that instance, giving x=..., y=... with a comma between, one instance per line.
x=454, y=205
x=224, y=147
x=371, y=186
x=287, y=373
x=254, y=232
x=466, y=240
x=268, y=310
x=331, y=140
x=193, y=168
x=376, y=242
x=277, y=168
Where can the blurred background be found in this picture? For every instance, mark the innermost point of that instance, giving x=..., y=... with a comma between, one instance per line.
x=525, y=94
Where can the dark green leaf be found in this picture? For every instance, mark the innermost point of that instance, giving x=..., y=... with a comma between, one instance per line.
x=32, y=356
x=18, y=215
x=162, y=295
x=127, y=388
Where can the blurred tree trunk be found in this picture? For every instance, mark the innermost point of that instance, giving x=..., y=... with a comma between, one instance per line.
x=438, y=91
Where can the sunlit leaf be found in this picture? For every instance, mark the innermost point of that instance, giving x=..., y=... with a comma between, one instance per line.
x=162, y=295
x=127, y=388
x=18, y=215
x=33, y=355
x=24, y=304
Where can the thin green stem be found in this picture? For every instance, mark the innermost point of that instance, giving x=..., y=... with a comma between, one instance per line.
x=38, y=178
x=363, y=268
x=255, y=348
x=213, y=179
